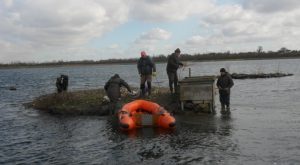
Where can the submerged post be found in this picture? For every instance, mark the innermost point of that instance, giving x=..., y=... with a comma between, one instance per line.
x=190, y=72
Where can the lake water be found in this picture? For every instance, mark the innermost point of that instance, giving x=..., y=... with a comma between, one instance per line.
x=263, y=127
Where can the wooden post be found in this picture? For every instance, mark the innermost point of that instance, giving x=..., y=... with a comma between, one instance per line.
x=190, y=74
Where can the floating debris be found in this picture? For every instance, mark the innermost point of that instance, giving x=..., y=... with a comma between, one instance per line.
x=12, y=88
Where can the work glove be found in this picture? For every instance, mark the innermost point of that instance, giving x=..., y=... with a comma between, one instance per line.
x=154, y=74
x=133, y=93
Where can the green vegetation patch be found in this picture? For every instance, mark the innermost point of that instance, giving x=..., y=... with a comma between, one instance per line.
x=91, y=102
x=78, y=102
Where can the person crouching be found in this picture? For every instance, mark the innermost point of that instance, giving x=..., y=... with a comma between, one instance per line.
x=62, y=83
x=112, y=88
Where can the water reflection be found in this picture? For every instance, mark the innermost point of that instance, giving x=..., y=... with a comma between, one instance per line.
x=196, y=139
x=206, y=139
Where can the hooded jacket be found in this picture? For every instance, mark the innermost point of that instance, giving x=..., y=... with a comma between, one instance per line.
x=225, y=82
x=112, y=87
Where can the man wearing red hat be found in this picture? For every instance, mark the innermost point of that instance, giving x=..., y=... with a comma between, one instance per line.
x=146, y=69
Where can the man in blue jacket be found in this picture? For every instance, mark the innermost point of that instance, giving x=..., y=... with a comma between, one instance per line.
x=146, y=69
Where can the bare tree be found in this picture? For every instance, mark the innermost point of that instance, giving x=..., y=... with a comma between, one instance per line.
x=259, y=49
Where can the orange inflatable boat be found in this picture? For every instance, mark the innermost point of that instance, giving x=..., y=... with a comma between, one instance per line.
x=131, y=115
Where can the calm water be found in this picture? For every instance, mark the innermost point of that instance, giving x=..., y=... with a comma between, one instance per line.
x=263, y=128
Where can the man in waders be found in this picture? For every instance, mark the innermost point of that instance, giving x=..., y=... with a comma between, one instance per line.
x=112, y=88
x=146, y=69
x=224, y=84
x=172, y=67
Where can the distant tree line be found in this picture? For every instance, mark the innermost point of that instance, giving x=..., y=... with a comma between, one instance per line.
x=259, y=54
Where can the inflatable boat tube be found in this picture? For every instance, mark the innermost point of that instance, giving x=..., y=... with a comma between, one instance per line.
x=131, y=115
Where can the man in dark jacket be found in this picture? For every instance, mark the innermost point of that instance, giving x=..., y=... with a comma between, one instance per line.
x=224, y=84
x=146, y=69
x=62, y=83
x=172, y=66
x=112, y=88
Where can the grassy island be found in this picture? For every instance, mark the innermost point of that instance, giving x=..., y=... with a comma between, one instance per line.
x=91, y=102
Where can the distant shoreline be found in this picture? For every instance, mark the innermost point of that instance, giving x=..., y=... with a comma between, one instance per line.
x=129, y=62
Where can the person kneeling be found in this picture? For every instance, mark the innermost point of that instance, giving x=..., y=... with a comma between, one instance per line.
x=62, y=83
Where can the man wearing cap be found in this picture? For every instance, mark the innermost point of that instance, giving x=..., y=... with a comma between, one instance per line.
x=224, y=84
x=172, y=66
x=146, y=69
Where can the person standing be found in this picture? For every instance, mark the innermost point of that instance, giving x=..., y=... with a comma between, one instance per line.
x=146, y=69
x=224, y=84
x=112, y=88
x=172, y=67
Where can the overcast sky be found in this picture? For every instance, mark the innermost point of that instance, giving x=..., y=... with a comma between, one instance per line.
x=47, y=30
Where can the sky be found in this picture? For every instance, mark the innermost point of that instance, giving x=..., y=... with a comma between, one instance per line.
x=72, y=30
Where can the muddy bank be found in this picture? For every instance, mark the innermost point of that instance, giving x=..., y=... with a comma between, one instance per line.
x=259, y=75
x=91, y=102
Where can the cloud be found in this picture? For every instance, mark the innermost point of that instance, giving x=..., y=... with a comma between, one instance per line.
x=168, y=10
x=153, y=35
x=236, y=28
x=41, y=25
x=60, y=22
x=152, y=41
x=271, y=6
x=227, y=13
x=195, y=40
x=113, y=46
x=35, y=30
x=7, y=3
